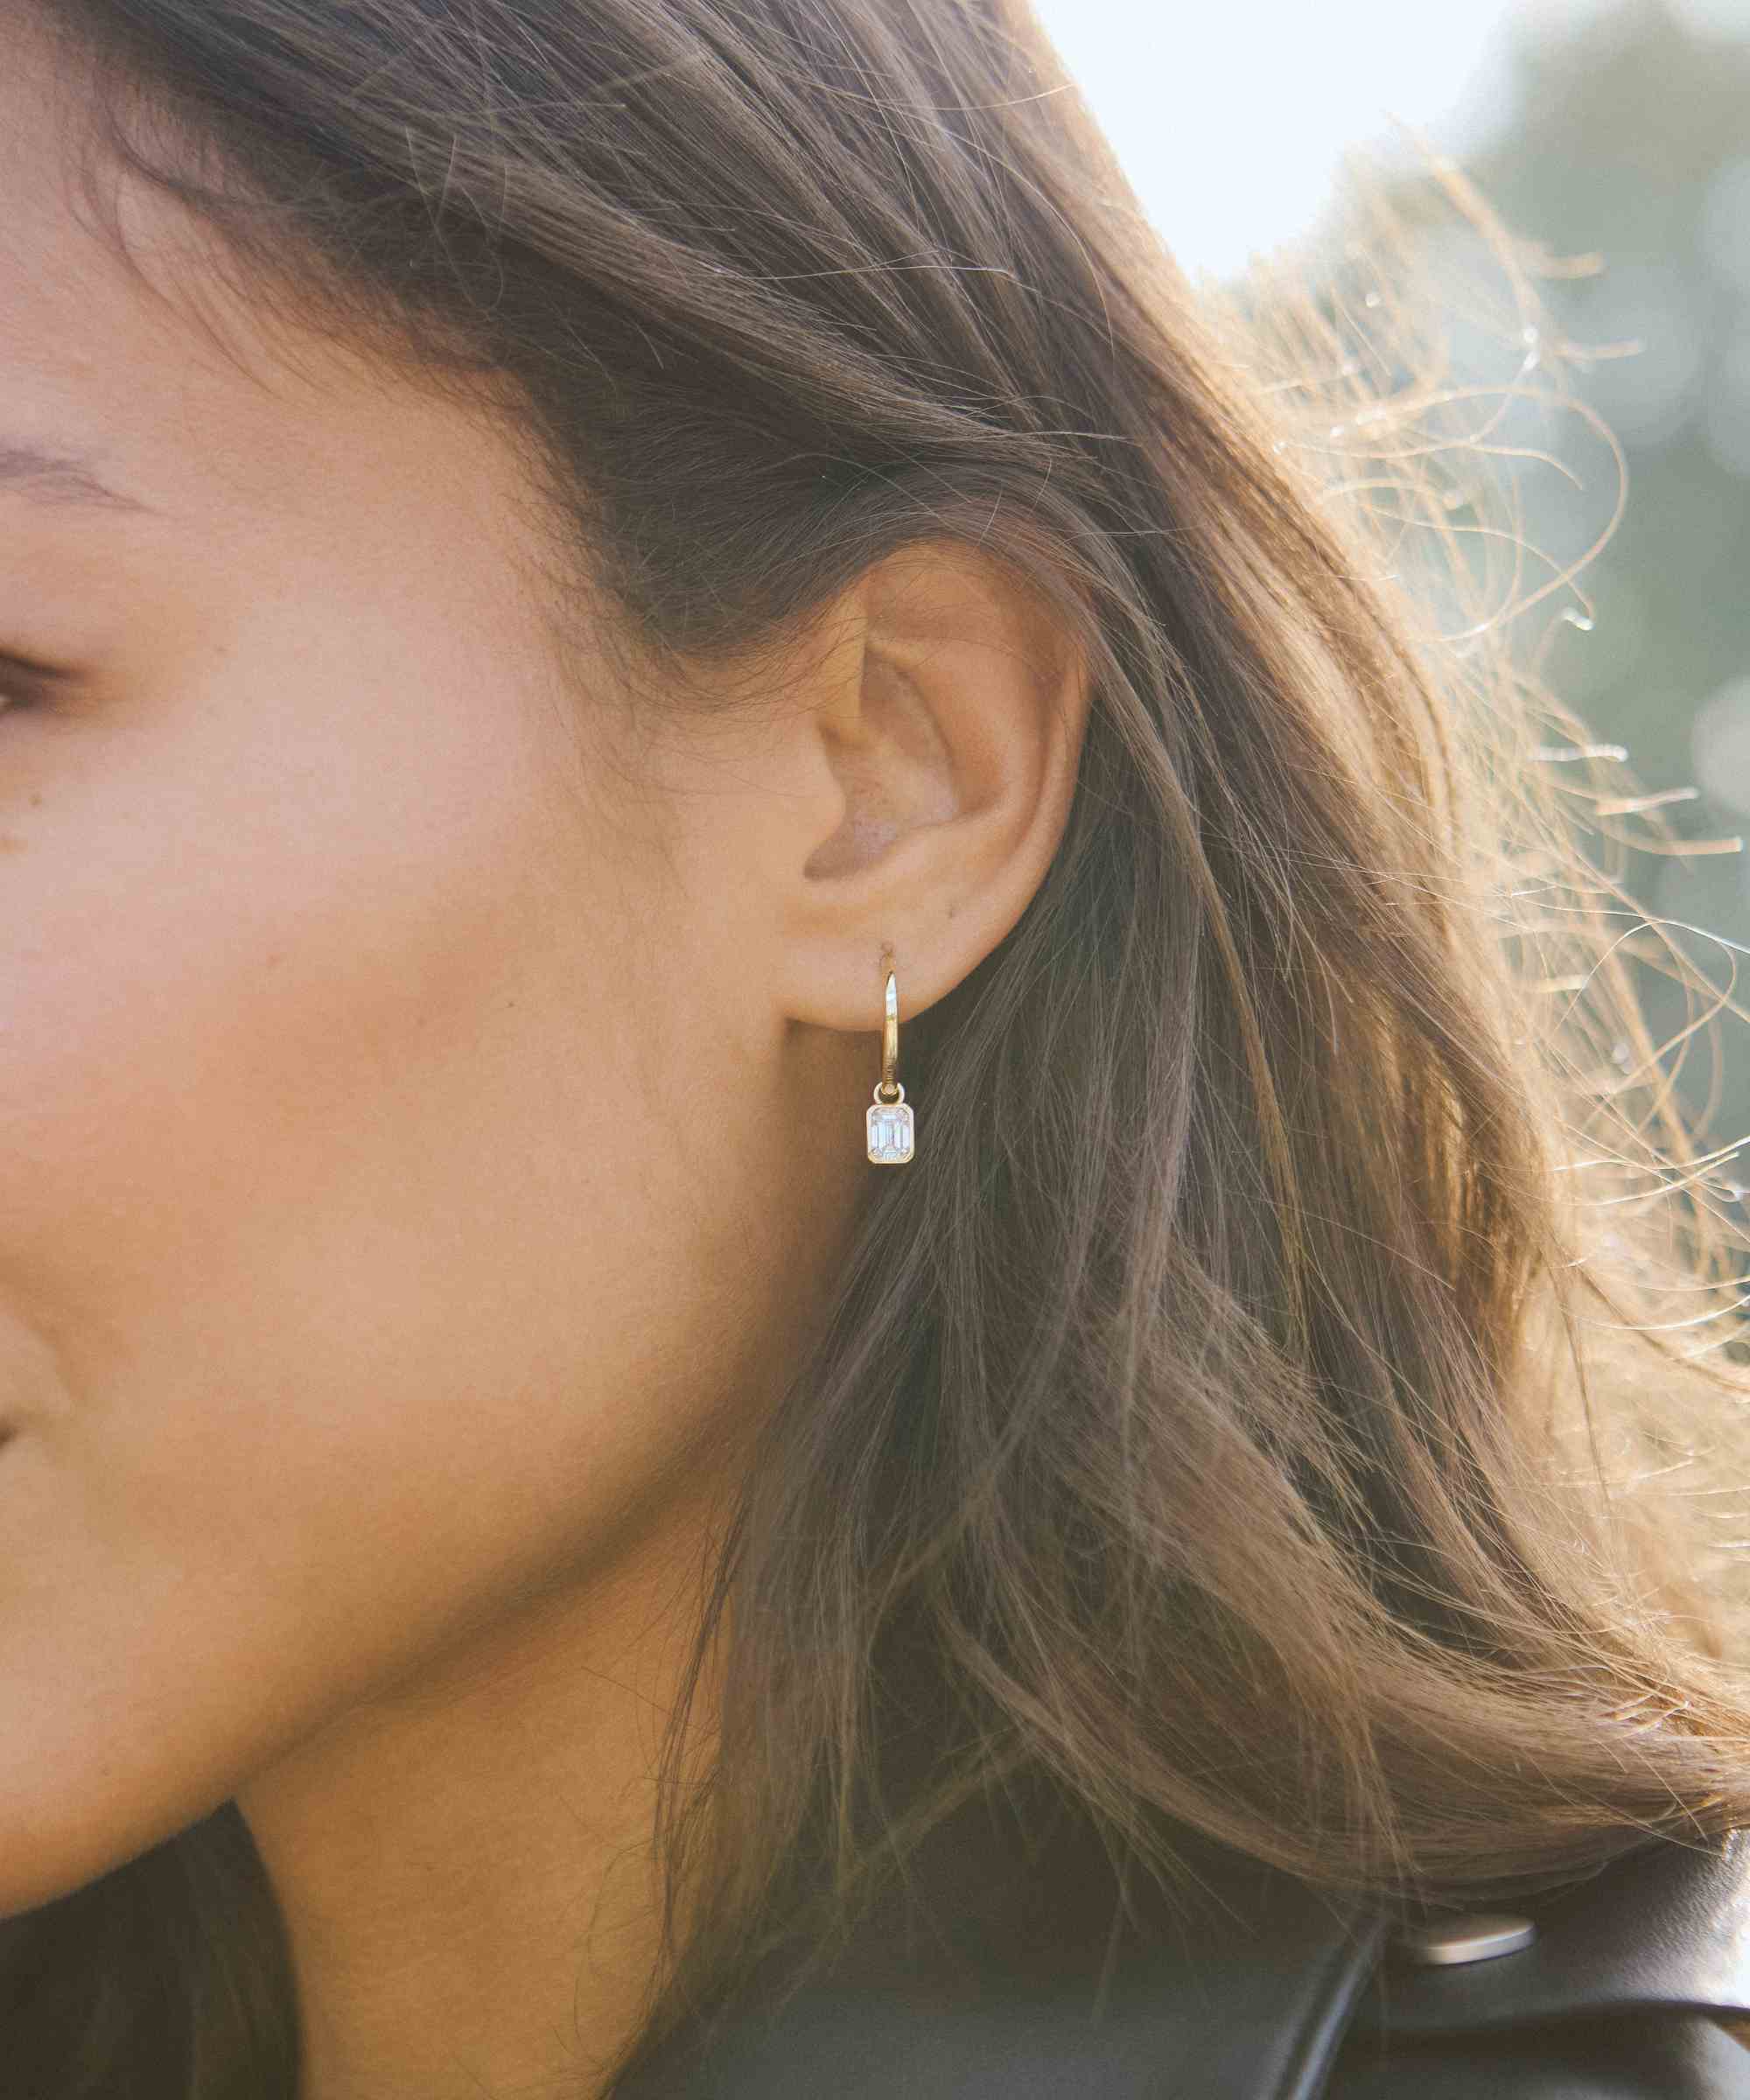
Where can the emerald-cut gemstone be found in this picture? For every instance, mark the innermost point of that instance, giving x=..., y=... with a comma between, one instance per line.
x=890, y=1133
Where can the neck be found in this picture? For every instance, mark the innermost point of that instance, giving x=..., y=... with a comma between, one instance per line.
x=464, y=1865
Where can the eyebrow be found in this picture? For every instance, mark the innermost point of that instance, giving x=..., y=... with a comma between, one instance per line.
x=47, y=476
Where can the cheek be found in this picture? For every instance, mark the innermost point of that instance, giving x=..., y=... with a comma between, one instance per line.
x=318, y=1328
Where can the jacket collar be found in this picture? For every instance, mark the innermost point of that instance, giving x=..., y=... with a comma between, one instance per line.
x=999, y=1980
x=999, y=1977
x=1666, y=1925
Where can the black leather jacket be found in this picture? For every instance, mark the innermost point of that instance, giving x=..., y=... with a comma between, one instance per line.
x=1009, y=1983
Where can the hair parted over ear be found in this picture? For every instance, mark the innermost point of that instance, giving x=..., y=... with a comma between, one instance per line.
x=1211, y=1429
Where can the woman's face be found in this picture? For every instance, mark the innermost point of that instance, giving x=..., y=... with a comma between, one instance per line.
x=398, y=1170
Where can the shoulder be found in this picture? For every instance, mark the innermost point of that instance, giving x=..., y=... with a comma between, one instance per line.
x=1630, y=1990
x=1610, y=2055
x=1005, y=1977
x=1004, y=1981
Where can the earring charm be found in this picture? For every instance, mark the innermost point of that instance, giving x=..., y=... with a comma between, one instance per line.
x=891, y=1131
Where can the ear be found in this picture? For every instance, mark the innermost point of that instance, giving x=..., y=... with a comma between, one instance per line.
x=943, y=731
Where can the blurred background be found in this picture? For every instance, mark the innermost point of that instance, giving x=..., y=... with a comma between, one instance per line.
x=1612, y=139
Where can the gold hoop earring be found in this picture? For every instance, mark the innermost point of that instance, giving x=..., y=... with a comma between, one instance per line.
x=892, y=1135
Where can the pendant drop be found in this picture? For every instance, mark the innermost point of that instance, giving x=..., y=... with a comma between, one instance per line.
x=892, y=1132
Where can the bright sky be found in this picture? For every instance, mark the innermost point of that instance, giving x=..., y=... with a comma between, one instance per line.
x=1229, y=114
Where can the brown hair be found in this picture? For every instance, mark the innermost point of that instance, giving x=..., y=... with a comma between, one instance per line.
x=1204, y=1431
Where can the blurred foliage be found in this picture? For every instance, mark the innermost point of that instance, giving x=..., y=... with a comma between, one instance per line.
x=1631, y=142
x=1622, y=172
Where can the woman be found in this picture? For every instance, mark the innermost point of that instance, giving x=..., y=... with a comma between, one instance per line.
x=598, y=594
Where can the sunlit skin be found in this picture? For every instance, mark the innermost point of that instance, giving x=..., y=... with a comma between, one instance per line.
x=432, y=1116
